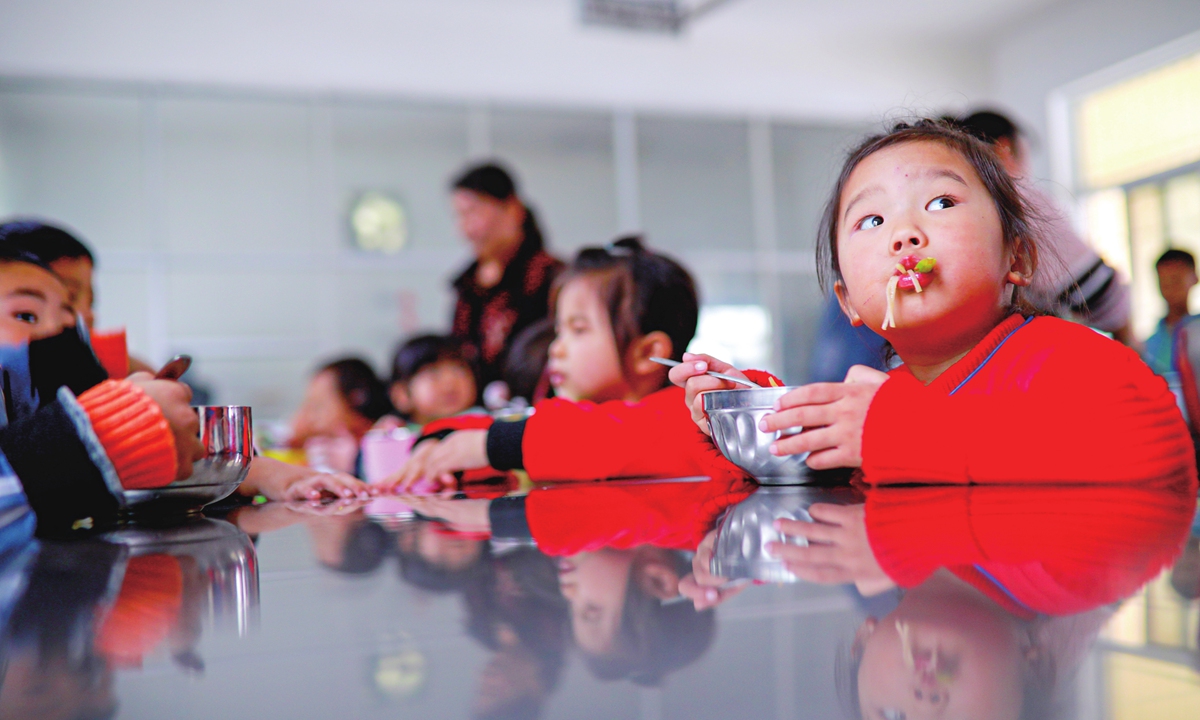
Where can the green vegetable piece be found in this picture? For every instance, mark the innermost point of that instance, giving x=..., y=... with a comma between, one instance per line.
x=926, y=265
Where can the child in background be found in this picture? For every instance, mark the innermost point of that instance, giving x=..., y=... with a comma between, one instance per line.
x=929, y=243
x=73, y=262
x=344, y=399
x=70, y=440
x=525, y=368
x=1176, y=277
x=431, y=380
x=614, y=414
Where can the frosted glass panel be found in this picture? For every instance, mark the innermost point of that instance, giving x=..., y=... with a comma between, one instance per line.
x=564, y=163
x=408, y=152
x=76, y=159
x=238, y=176
x=807, y=162
x=1147, y=241
x=695, y=184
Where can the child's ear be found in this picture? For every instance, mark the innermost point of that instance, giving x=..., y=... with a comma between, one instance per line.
x=652, y=344
x=863, y=634
x=1024, y=261
x=843, y=298
x=657, y=579
x=398, y=393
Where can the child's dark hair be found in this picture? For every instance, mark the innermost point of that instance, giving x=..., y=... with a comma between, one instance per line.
x=655, y=638
x=644, y=292
x=1175, y=255
x=44, y=241
x=525, y=366
x=424, y=350
x=360, y=387
x=990, y=127
x=1018, y=221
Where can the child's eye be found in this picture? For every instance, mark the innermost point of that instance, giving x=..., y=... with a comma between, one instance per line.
x=940, y=203
x=870, y=221
x=26, y=317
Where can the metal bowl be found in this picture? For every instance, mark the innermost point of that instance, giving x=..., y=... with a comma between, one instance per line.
x=227, y=433
x=740, y=551
x=733, y=416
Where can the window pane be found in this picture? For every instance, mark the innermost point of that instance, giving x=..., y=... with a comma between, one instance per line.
x=1182, y=197
x=1141, y=127
x=1108, y=227
x=1147, y=243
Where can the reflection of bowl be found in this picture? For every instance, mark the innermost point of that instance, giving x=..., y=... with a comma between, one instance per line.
x=742, y=536
x=733, y=416
x=227, y=433
x=222, y=562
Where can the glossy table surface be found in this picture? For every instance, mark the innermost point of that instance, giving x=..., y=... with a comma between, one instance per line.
x=339, y=610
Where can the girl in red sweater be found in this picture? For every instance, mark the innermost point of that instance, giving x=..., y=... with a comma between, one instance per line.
x=614, y=414
x=928, y=242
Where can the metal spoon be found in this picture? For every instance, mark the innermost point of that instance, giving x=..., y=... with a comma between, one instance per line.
x=174, y=369
x=742, y=381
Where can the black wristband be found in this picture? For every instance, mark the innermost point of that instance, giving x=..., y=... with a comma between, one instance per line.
x=439, y=435
x=506, y=515
x=504, y=445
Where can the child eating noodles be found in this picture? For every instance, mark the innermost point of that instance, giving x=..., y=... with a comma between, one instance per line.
x=614, y=414
x=929, y=243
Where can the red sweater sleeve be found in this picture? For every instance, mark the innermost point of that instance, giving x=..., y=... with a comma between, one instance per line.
x=565, y=521
x=1056, y=402
x=654, y=437
x=1056, y=549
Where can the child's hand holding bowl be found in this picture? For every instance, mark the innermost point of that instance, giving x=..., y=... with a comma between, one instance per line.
x=832, y=415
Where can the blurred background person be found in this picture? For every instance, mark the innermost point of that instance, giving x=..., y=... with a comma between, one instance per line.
x=431, y=379
x=1071, y=276
x=344, y=399
x=1176, y=271
x=507, y=287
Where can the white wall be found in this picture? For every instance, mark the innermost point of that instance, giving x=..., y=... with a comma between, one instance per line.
x=219, y=217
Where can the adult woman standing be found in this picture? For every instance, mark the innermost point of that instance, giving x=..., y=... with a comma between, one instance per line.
x=507, y=288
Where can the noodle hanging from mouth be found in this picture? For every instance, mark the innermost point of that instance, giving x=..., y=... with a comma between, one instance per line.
x=889, y=318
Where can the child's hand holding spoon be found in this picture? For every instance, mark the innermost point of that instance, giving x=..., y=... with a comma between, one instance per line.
x=699, y=374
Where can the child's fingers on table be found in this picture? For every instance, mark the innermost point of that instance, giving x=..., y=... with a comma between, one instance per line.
x=805, y=416
x=810, y=441
x=811, y=531
x=830, y=458
x=811, y=394
x=805, y=554
x=835, y=514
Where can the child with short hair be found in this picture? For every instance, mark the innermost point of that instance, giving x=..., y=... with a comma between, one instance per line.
x=929, y=243
x=1176, y=277
x=614, y=414
x=72, y=441
x=431, y=379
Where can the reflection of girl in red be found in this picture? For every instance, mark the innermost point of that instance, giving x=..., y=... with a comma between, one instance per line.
x=1004, y=586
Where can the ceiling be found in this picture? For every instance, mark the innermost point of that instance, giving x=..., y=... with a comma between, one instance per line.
x=809, y=59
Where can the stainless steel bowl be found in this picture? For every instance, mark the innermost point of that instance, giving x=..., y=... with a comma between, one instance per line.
x=227, y=433
x=733, y=416
x=746, y=528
